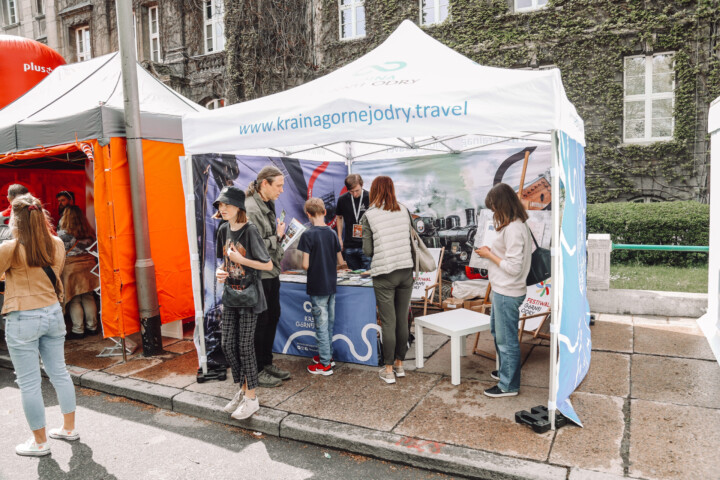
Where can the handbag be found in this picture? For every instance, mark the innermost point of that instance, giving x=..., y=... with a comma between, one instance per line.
x=422, y=258
x=53, y=279
x=540, y=264
x=242, y=294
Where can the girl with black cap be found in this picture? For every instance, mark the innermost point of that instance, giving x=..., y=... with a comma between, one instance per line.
x=243, y=253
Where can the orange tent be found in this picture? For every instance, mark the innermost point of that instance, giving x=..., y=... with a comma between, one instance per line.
x=79, y=107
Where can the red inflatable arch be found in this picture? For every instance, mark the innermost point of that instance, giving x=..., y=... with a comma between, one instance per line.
x=23, y=64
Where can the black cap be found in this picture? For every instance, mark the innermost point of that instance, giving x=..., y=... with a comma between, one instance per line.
x=231, y=196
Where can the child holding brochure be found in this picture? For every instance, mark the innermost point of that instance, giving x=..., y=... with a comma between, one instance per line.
x=321, y=255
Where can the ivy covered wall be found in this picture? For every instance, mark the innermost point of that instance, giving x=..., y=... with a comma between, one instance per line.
x=586, y=39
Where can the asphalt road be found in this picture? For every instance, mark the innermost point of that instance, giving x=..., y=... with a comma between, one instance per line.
x=123, y=439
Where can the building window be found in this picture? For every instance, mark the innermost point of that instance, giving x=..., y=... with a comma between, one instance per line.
x=214, y=26
x=352, y=19
x=215, y=103
x=10, y=11
x=39, y=7
x=82, y=43
x=433, y=11
x=649, y=100
x=528, y=5
x=154, y=28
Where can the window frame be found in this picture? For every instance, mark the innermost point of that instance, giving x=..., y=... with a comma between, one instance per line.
x=10, y=12
x=531, y=8
x=648, y=96
x=154, y=36
x=39, y=7
x=82, y=31
x=213, y=22
x=215, y=103
x=436, y=8
x=352, y=6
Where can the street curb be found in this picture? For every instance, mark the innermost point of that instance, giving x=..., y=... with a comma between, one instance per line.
x=416, y=452
x=146, y=392
x=209, y=407
x=580, y=474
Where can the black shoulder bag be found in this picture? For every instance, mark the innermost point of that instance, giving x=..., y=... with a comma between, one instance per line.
x=243, y=293
x=540, y=263
x=53, y=279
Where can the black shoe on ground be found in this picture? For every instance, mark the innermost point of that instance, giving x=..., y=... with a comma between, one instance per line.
x=494, y=374
x=74, y=336
x=498, y=392
x=90, y=332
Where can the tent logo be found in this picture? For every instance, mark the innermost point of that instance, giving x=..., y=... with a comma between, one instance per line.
x=36, y=68
x=383, y=68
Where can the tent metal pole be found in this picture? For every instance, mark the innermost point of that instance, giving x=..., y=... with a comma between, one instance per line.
x=144, y=267
x=556, y=280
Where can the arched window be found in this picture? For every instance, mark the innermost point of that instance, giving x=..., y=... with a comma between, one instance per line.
x=215, y=103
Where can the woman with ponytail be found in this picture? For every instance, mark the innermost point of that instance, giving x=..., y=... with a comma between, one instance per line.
x=35, y=326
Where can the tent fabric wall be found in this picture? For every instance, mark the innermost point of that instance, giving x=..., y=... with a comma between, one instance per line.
x=116, y=239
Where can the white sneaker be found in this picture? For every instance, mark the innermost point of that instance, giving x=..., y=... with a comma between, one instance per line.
x=247, y=407
x=62, y=434
x=235, y=402
x=387, y=377
x=32, y=449
x=399, y=371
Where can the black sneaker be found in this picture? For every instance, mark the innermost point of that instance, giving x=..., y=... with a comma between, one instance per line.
x=89, y=331
x=494, y=374
x=498, y=392
x=74, y=336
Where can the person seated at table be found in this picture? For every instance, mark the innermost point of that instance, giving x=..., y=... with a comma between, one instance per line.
x=351, y=208
x=78, y=280
x=321, y=256
x=386, y=238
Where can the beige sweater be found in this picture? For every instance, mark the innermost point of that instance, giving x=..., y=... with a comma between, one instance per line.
x=28, y=288
x=386, y=238
x=514, y=246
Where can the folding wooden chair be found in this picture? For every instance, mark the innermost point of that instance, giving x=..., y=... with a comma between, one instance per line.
x=426, y=299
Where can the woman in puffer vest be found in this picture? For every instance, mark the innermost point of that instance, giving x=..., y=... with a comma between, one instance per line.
x=386, y=238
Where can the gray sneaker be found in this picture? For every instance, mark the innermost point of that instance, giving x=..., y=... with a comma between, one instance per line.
x=277, y=372
x=387, y=377
x=266, y=380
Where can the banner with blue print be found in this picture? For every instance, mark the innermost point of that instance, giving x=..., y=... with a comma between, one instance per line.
x=574, y=335
x=355, y=337
x=211, y=172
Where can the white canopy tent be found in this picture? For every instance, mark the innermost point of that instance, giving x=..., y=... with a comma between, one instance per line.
x=710, y=322
x=411, y=96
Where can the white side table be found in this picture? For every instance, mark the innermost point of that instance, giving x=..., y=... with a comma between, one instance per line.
x=457, y=324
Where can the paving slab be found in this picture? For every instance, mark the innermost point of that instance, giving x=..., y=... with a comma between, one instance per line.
x=597, y=446
x=675, y=340
x=471, y=366
x=357, y=396
x=609, y=374
x=299, y=381
x=673, y=441
x=225, y=389
x=535, y=372
x=209, y=407
x=178, y=372
x=582, y=474
x=650, y=320
x=613, y=318
x=417, y=452
x=181, y=346
x=431, y=344
x=613, y=337
x=83, y=353
x=146, y=392
x=135, y=364
x=462, y=415
x=676, y=380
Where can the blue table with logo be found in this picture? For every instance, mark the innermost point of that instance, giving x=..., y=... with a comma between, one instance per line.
x=355, y=338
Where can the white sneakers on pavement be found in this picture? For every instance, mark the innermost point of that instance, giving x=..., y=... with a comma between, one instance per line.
x=32, y=449
x=62, y=434
x=235, y=402
x=247, y=407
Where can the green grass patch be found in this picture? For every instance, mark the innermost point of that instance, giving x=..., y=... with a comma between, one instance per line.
x=659, y=277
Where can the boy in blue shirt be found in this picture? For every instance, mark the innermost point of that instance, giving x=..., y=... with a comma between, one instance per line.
x=321, y=256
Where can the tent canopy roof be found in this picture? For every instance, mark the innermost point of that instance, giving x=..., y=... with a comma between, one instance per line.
x=84, y=101
x=409, y=86
x=714, y=117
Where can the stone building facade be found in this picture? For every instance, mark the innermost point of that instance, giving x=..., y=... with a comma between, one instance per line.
x=641, y=73
x=179, y=41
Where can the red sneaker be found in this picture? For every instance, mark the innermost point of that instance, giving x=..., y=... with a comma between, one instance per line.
x=316, y=359
x=320, y=369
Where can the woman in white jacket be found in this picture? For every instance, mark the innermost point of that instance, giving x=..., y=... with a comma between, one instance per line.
x=509, y=266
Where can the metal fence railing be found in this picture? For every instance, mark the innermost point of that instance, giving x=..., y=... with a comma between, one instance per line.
x=666, y=248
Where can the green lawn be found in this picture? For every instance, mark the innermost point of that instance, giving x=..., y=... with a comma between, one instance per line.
x=658, y=277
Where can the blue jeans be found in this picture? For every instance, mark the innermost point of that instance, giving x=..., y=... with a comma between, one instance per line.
x=356, y=259
x=323, y=310
x=27, y=334
x=504, y=319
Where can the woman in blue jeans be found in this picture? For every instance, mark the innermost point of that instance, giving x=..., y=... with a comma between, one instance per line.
x=34, y=326
x=509, y=257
